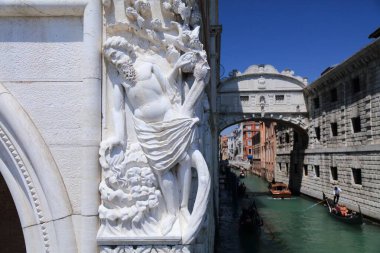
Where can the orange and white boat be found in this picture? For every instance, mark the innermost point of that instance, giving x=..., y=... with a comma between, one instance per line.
x=280, y=190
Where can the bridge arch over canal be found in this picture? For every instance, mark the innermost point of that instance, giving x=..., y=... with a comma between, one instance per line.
x=262, y=93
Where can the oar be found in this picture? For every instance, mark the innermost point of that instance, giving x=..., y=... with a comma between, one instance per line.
x=313, y=205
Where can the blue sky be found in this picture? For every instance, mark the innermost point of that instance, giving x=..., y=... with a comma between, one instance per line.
x=306, y=36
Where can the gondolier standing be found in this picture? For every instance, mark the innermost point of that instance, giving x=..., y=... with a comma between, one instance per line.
x=336, y=192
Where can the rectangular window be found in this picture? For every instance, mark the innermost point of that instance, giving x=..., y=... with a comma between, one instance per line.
x=333, y=95
x=287, y=168
x=316, y=170
x=316, y=102
x=355, y=85
x=279, y=166
x=334, y=173
x=356, y=126
x=249, y=134
x=305, y=170
x=248, y=127
x=280, y=98
x=334, y=129
x=357, y=176
x=244, y=98
x=318, y=133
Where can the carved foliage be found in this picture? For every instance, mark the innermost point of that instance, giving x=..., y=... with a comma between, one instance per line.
x=129, y=190
x=145, y=249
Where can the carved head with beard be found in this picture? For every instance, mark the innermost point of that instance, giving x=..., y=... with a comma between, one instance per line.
x=120, y=53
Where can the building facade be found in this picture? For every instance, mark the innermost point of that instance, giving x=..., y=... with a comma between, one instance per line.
x=239, y=144
x=268, y=149
x=231, y=145
x=250, y=129
x=265, y=150
x=343, y=139
x=256, y=161
x=224, y=147
x=289, y=157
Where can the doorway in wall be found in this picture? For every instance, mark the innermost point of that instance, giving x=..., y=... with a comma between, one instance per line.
x=11, y=235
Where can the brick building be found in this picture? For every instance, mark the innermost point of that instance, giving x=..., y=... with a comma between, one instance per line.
x=250, y=129
x=223, y=147
x=265, y=148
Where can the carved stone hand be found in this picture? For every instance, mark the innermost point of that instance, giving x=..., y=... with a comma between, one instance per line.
x=186, y=59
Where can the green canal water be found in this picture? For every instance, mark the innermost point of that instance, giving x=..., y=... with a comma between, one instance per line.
x=290, y=226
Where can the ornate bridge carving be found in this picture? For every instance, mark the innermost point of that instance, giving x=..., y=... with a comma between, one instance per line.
x=262, y=93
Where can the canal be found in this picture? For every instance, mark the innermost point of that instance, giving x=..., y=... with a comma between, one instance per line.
x=295, y=225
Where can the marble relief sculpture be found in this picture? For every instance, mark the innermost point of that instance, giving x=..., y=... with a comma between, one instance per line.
x=157, y=71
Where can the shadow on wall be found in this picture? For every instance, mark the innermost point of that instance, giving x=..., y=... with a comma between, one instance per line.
x=297, y=156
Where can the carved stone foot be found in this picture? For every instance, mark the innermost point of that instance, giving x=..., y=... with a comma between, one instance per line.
x=185, y=214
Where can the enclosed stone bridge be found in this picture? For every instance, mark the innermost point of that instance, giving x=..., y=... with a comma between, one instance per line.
x=261, y=93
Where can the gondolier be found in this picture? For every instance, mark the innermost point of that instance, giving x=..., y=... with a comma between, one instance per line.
x=336, y=193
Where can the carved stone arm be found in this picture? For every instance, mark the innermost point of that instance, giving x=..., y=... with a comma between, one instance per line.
x=173, y=75
x=201, y=74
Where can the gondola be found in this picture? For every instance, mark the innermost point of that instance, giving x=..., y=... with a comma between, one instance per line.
x=241, y=190
x=342, y=213
x=250, y=220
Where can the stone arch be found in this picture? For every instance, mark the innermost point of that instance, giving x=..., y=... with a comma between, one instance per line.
x=299, y=122
x=34, y=181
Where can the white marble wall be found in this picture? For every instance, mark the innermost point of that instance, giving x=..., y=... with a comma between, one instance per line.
x=51, y=64
x=51, y=71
